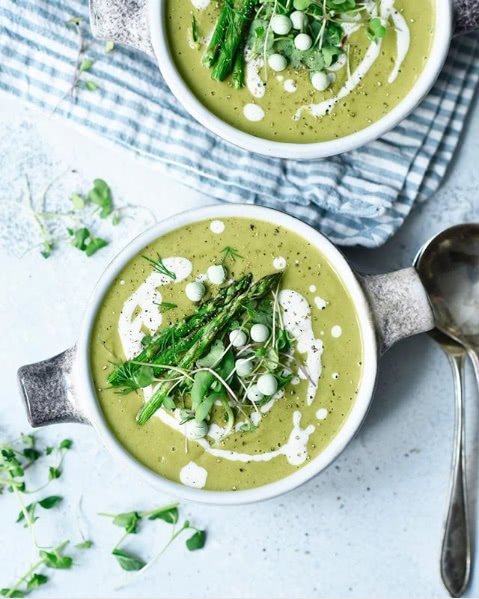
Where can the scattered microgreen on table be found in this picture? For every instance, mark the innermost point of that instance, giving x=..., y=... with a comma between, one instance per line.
x=131, y=523
x=15, y=460
x=87, y=212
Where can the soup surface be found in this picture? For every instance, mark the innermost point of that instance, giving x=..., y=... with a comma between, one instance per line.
x=319, y=73
x=275, y=371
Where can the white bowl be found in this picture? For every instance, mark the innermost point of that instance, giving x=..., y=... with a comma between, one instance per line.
x=300, y=151
x=84, y=382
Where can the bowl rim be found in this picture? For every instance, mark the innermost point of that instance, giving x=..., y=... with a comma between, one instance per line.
x=89, y=402
x=298, y=151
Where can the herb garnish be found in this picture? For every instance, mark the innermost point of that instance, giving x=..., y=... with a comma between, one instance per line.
x=195, y=35
x=197, y=366
x=166, y=307
x=159, y=266
x=248, y=24
x=229, y=253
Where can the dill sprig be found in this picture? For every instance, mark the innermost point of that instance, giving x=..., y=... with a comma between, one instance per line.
x=159, y=266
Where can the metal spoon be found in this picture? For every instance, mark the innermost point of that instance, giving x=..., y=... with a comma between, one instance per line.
x=449, y=268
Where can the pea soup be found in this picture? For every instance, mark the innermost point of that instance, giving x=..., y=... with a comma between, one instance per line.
x=227, y=354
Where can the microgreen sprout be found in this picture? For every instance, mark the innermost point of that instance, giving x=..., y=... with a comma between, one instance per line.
x=15, y=460
x=132, y=521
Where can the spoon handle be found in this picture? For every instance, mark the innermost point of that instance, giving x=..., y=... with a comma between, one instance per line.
x=456, y=548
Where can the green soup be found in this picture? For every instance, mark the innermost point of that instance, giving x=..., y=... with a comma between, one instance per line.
x=322, y=368
x=360, y=65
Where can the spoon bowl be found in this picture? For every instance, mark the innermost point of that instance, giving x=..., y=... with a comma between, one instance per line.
x=448, y=266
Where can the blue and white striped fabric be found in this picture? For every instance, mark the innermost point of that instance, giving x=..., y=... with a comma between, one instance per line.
x=360, y=198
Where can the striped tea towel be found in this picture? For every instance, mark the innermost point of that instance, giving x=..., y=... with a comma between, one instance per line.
x=360, y=198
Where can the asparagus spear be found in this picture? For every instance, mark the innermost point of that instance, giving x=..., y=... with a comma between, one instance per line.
x=236, y=31
x=238, y=70
x=184, y=331
x=226, y=15
x=209, y=333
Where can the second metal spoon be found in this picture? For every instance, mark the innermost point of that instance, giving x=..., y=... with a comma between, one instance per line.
x=456, y=550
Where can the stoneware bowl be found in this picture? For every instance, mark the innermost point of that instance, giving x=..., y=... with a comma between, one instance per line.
x=141, y=24
x=389, y=307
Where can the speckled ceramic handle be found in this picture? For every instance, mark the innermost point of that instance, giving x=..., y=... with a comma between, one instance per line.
x=466, y=16
x=48, y=391
x=122, y=21
x=399, y=305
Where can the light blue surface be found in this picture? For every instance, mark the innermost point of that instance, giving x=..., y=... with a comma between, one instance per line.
x=360, y=198
x=370, y=526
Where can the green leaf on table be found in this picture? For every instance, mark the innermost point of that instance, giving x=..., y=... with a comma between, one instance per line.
x=85, y=65
x=78, y=201
x=95, y=244
x=196, y=541
x=54, y=473
x=128, y=561
x=50, y=502
x=84, y=544
x=101, y=196
x=29, y=509
x=168, y=514
x=31, y=454
x=28, y=440
x=65, y=444
x=91, y=86
x=84, y=241
x=80, y=237
x=36, y=581
x=47, y=246
x=116, y=218
x=54, y=559
x=5, y=592
x=128, y=520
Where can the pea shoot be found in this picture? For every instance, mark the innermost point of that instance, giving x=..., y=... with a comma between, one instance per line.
x=131, y=523
x=15, y=460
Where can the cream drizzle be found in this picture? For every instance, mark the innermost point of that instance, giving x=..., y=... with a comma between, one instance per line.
x=200, y=4
x=403, y=41
x=297, y=321
x=193, y=475
x=146, y=299
x=254, y=83
x=253, y=112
